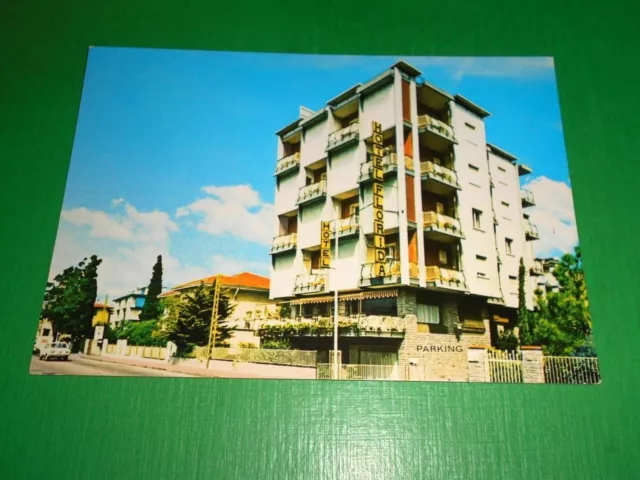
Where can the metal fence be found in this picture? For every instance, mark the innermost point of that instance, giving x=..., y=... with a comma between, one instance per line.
x=505, y=367
x=572, y=370
x=300, y=358
x=325, y=371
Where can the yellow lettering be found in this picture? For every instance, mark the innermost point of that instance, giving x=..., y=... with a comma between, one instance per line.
x=377, y=139
x=378, y=228
x=378, y=201
x=378, y=241
x=378, y=214
x=380, y=255
x=376, y=127
x=378, y=189
x=378, y=150
x=379, y=270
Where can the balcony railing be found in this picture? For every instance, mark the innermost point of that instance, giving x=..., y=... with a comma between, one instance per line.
x=283, y=243
x=537, y=268
x=391, y=274
x=288, y=163
x=445, y=277
x=430, y=170
x=346, y=226
x=531, y=231
x=312, y=192
x=389, y=164
x=414, y=271
x=310, y=283
x=357, y=325
x=441, y=223
x=437, y=126
x=343, y=135
x=528, y=200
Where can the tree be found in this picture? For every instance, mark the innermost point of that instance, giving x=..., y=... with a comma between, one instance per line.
x=187, y=320
x=524, y=317
x=562, y=318
x=151, y=308
x=69, y=300
x=144, y=333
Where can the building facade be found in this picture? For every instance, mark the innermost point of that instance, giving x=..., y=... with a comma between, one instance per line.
x=249, y=295
x=430, y=219
x=127, y=307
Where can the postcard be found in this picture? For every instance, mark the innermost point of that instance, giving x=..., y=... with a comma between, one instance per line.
x=280, y=216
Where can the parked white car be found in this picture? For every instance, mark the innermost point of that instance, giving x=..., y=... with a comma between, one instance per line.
x=57, y=350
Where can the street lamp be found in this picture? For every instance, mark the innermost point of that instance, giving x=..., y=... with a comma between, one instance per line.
x=334, y=277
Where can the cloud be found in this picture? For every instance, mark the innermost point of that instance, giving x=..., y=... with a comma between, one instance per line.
x=232, y=266
x=512, y=67
x=127, y=240
x=554, y=216
x=235, y=210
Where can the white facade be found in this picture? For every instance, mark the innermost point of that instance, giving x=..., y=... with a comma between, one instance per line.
x=450, y=201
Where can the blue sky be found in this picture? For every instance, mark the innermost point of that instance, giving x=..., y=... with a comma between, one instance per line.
x=156, y=127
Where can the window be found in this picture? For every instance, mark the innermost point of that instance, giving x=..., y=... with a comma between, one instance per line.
x=442, y=257
x=505, y=204
x=469, y=126
x=482, y=275
x=323, y=176
x=501, y=169
x=508, y=245
x=353, y=209
x=440, y=208
x=429, y=314
x=474, y=167
x=477, y=216
x=46, y=332
x=392, y=251
x=482, y=258
x=380, y=306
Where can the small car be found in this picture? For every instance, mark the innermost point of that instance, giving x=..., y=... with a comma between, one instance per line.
x=57, y=350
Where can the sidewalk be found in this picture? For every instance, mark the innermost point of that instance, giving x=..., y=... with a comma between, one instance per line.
x=161, y=365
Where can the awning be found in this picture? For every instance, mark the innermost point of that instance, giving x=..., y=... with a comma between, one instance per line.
x=499, y=319
x=347, y=297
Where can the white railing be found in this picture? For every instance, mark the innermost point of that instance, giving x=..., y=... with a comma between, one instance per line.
x=284, y=242
x=325, y=371
x=344, y=134
x=438, y=171
x=437, y=125
x=314, y=190
x=288, y=162
x=377, y=323
x=527, y=197
x=391, y=269
x=531, y=230
x=505, y=367
x=573, y=370
x=537, y=267
x=346, y=225
x=438, y=274
x=310, y=283
x=443, y=222
x=389, y=163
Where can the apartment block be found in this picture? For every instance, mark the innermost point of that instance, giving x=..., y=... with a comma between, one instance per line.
x=449, y=213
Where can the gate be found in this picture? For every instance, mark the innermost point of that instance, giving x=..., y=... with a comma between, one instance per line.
x=505, y=367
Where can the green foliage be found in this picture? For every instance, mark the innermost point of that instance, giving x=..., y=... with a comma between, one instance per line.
x=562, y=319
x=279, y=344
x=507, y=341
x=69, y=300
x=187, y=319
x=144, y=333
x=247, y=345
x=151, y=309
x=524, y=317
x=284, y=310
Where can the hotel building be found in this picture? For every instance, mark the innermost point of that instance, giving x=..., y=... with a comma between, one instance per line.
x=451, y=215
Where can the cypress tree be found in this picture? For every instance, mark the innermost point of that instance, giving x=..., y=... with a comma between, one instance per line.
x=151, y=308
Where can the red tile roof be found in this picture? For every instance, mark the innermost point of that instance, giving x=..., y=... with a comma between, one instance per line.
x=242, y=280
x=100, y=305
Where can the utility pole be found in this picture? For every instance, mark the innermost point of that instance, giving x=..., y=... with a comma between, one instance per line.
x=213, y=329
x=334, y=273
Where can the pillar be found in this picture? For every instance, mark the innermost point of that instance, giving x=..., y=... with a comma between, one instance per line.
x=532, y=365
x=478, y=364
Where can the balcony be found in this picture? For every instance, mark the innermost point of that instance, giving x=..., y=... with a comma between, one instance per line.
x=347, y=227
x=528, y=200
x=288, y=164
x=389, y=164
x=414, y=273
x=537, y=268
x=344, y=136
x=441, y=227
x=391, y=270
x=445, y=278
x=531, y=231
x=439, y=179
x=358, y=325
x=431, y=124
x=315, y=191
x=310, y=283
x=284, y=243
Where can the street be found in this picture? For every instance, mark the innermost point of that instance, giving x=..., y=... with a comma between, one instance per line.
x=81, y=365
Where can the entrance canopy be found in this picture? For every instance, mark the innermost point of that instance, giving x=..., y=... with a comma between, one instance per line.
x=374, y=294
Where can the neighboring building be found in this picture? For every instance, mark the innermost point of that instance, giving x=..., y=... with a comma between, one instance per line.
x=128, y=307
x=454, y=221
x=249, y=293
x=102, y=314
x=547, y=282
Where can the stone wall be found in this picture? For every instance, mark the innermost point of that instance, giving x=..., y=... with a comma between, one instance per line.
x=407, y=302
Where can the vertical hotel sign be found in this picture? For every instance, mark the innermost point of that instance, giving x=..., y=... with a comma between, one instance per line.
x=325, y=244
x=378, y=201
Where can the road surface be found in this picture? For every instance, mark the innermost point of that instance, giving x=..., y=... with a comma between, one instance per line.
x=80, y=365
